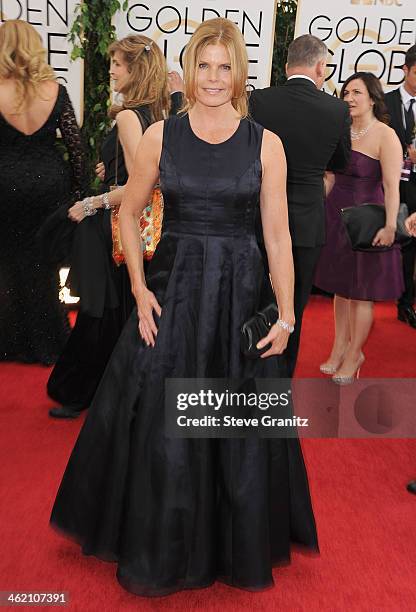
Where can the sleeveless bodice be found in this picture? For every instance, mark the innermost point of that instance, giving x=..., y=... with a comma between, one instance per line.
x=210, y=189
x=362, y=179
x=109, y=153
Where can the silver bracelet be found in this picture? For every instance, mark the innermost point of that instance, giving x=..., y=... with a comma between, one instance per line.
x=106, y=201
x=89, y=209
x=285, y=325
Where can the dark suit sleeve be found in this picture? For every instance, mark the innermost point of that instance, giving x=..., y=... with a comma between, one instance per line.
x=342, y=153
x=176, y=102
x=393, y=102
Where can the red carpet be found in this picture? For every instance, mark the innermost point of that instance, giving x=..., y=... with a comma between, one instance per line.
x=366, y=519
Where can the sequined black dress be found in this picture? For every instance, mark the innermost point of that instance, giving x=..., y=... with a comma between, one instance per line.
x=34, y=181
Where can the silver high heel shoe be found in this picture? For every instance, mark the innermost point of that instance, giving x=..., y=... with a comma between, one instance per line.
x=326, y=368
x=348, y=380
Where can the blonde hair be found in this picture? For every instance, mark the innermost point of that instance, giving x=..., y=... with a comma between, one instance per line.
x=23, y=58
x=224, y=32
x=148, y=82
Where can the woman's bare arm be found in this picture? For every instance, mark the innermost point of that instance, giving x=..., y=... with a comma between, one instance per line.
x=130, y=132
x=391, y=156
x=274, y=215
x=144, y=176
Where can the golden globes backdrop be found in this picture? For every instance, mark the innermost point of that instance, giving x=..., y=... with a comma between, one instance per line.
x=53, y=20
x=172, y=26
x=369, y=35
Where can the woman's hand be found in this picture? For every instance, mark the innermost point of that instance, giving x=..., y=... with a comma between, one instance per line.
x=76, y=212
x=279, y=338
x=100, y=171
x=146, y=302
x=384, y=237
x=412, y=153
x=329, y=182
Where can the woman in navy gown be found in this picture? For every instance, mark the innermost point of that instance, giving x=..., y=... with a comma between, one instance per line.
x=360, y=278
x=181, y=513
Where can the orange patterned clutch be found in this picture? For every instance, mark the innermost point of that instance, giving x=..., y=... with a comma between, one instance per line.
x=149, y=227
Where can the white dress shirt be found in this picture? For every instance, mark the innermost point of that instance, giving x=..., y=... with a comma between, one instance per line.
x=406, y=97
x=301, y=76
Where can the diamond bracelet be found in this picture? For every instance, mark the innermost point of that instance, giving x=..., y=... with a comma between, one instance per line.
x=285, y=325
x=106, y=201
x=89, y=210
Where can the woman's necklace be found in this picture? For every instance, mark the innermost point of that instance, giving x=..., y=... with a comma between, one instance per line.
x=361, y=133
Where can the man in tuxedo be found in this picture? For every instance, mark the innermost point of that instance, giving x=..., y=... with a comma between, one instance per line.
x=401, y=104
x=315, y=131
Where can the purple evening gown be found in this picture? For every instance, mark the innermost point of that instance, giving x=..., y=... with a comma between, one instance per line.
x=357, y=275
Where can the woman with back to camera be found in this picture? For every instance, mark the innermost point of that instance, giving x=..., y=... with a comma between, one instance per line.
x=34, y=181
x=179, y=513
x=139, y=73
x=358, y=278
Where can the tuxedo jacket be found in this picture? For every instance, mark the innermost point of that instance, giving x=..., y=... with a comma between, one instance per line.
x=393, y=101
x=394, y=106
x=315, y=131
x=176, y=100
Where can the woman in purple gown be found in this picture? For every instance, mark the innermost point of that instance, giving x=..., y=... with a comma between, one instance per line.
x=359, y=278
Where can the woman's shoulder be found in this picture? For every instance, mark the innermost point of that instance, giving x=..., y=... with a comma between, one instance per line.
x=49, y=90
x=386, y=134
x=271, y=141
x=52, y=87
x=154, y=133
x=383, y=130
x=173, y=126
x=7, y=95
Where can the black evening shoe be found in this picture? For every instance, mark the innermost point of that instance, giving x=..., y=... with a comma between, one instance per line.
x=407, y=315
x=66, y=412
x=411, y=487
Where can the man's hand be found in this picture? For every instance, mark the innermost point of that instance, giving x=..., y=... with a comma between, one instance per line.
x=411, y=224
x=175, y=82
x=100, y=171
x=412, y=153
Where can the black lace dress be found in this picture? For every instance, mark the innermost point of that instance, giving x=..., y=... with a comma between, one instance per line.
x=34, y=181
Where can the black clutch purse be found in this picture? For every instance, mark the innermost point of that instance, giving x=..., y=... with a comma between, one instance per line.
x=363, y=222
x=258, y=326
